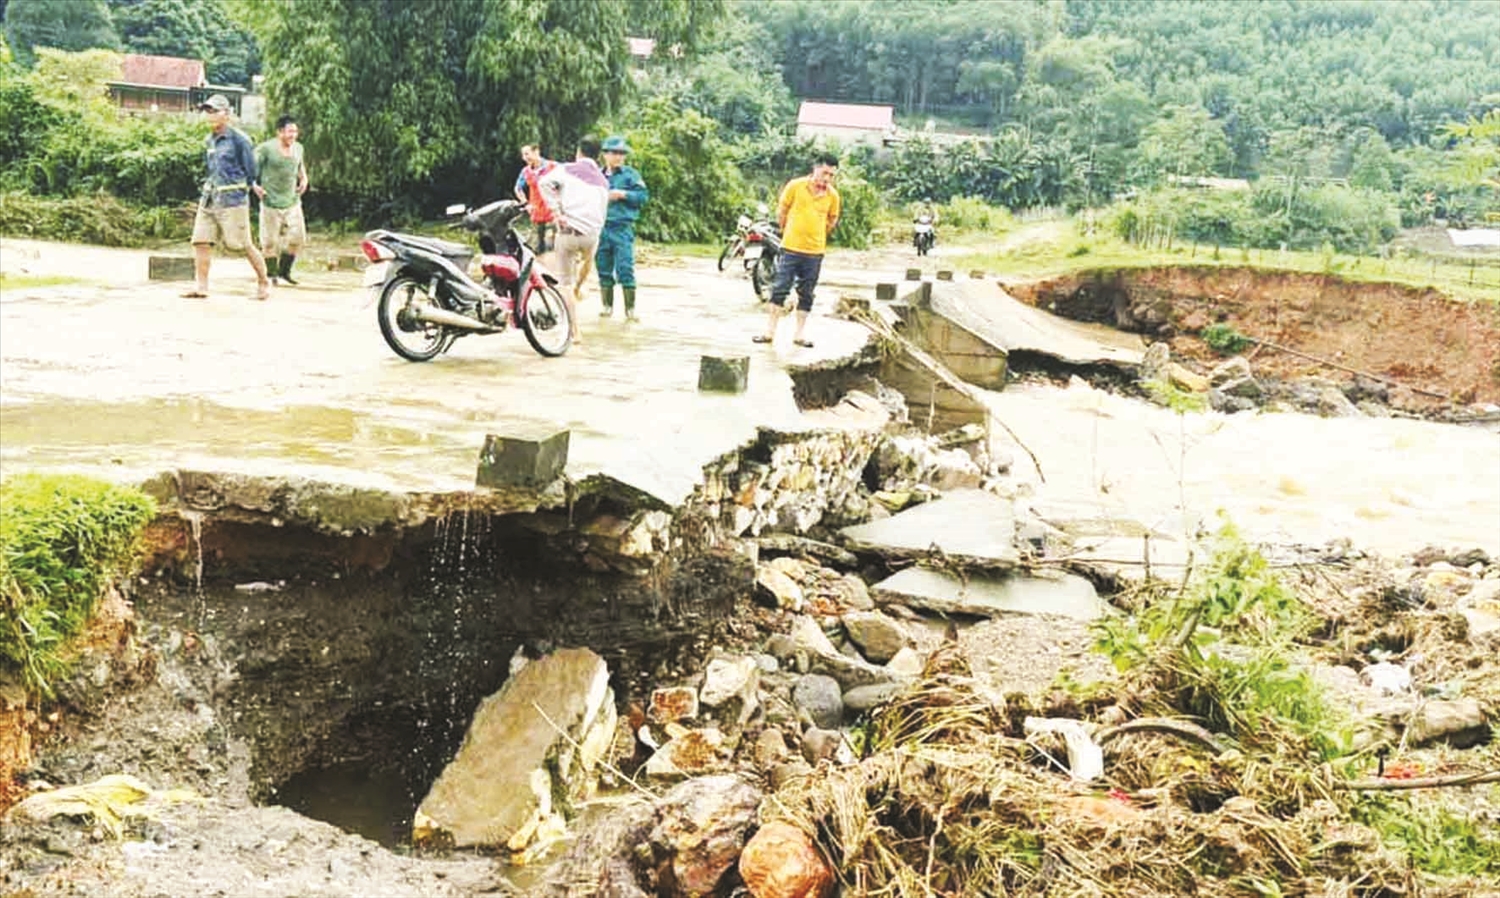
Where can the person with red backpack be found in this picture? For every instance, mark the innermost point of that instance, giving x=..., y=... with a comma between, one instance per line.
x=542, y=222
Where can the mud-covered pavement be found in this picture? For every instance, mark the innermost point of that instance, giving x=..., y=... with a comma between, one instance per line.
x=124, y=377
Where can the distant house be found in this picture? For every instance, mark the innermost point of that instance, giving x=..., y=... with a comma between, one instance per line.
x=641, y=47
x=166, y=84
x=849, y=124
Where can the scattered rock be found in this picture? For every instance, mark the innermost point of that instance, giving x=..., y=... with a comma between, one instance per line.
x=1243, y=388
x=775, y=589
x=781, y=861
x=877, y=635
x=729, y=687
x=693, y=753
x=702, y=826
x=822, y=699
x=1229, y=371
x=1187, y=380
x=673, y=704
x=864, y=698
x=1469, y=557
x=770, y=749
x=781, y=646
x=782, y=774
x=819, y=744
x=826, y=553
x=1155, y=361
x=851, y=592
x=906, y=663
x=1459, y=723
x=1332, y=403
x=1220, y=401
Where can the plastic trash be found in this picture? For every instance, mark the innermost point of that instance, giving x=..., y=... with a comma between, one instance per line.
x=1387, y=678
x=1085, y=757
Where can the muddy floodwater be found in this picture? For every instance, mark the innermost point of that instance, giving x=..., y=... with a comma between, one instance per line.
x=1387, y=484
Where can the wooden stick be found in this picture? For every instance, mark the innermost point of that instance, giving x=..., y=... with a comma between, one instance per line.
x=948, y=378
x=1345, y=368
x=1429, y=782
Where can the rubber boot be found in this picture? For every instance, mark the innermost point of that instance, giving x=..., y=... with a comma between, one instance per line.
x=286, y=268
x=629, y=303
x=607, y=300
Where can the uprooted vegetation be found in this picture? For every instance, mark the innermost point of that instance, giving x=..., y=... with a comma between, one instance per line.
x=1228, y=768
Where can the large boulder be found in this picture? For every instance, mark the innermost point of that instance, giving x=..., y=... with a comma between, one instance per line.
x=822, y=699
x=530, y=752
x=781, y=861
x=880, y=637
x=701, y=830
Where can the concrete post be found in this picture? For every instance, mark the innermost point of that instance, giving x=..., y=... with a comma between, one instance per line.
x=723, y=374
x=533, y=462
x=169, y=268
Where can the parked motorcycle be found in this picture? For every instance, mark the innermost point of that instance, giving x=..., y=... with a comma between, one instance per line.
x=736, y=243
x=427, y=299
x=924, y=234
x=764, y=239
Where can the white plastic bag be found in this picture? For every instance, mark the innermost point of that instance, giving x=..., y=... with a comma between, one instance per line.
x=1085, y=758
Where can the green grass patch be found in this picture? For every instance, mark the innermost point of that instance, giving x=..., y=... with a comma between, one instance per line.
x=22, y=281
x=1437, y=839
x=1059, y=248
x=62, y=539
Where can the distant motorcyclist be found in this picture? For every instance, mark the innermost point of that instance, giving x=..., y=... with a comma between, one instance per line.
x=924, y=228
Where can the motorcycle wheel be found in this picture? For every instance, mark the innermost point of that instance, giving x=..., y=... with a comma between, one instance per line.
x=413, y=340
x=731, y=249
x=548, y=326
x=762, y=275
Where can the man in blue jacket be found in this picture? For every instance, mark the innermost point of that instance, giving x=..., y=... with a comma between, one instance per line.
x=224, y=209
x=616, y=256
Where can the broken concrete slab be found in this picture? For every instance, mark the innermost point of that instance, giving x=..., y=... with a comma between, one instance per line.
x=885, y=292
x=913, y=274
x=515, y=772
x=972, y=527
x=1067, y=595
x=998, y=318
x=945, y=275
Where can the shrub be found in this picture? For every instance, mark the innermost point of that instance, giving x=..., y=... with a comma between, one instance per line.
x=100, y=219
x=972, y=213
x=696, y=191
x=62, y=539
x=862, y=206
x=1224, y=339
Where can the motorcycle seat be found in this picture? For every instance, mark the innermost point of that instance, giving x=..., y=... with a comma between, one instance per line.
x=441, y=247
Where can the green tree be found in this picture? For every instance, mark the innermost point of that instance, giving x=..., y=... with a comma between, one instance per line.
x=191, y=29
x=695, y=186
x=409, y=105
x=1371, y=163
x=60, y=24
x=1186, y=142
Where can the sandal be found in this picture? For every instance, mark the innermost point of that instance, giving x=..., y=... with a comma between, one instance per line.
x=195, y=294
x=760, y=339
x=805, y=344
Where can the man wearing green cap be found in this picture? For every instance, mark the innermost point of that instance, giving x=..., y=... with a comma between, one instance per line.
x=615, y=258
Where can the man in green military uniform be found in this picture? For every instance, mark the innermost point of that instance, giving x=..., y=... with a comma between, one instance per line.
x=283, y=180
x=615, y=257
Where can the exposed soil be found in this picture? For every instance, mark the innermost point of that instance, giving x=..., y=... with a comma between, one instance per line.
x=1421, y=339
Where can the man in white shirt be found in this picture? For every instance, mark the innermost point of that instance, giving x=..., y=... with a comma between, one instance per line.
x=578, y=194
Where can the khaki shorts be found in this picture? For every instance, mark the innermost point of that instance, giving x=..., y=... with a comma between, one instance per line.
x=229, y=225
x=282, y=229
x=575, y=256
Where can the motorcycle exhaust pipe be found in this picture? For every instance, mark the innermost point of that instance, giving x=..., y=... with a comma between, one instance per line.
x=434, y=315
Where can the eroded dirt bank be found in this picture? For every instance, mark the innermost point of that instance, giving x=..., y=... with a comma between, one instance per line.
x=1422, y=339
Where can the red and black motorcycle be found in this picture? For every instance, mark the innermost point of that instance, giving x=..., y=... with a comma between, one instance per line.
x=427, y=299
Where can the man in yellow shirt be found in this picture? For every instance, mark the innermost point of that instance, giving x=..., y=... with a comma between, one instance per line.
x=807, y=212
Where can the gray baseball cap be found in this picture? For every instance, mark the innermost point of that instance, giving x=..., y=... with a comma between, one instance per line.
x=216, y=103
